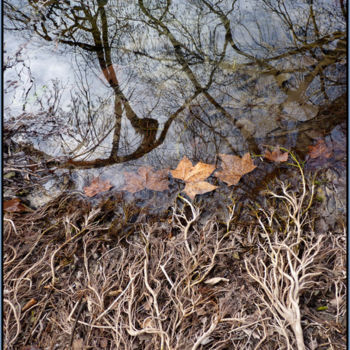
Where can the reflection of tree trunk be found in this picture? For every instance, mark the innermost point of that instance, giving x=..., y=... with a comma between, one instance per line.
x=146, y=127
x=118, y=110
x=95, y=23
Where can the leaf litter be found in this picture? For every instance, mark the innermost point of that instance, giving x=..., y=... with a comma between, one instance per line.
x=194, y=176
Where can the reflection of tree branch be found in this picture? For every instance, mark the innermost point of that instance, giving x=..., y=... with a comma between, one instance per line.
x=210, y=127
x=85, y=25
x=306, y=47
x=227, y=25
x=144, y=148
x=184, y=63
x=326, y=39
x=297, y=95
x=343, y=9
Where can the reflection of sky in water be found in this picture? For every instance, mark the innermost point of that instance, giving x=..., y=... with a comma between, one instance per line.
x=44, y=66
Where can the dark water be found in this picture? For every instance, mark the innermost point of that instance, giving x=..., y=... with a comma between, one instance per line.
x=100, y=87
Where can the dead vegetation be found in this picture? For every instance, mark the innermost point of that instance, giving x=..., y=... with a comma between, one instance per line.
x=74, y=277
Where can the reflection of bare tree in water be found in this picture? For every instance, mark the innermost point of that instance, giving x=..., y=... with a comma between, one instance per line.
x=98, y=31
x=300, y=56
x=77, y=26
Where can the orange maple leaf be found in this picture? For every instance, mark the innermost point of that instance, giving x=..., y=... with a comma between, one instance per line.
x=276, y=155
x=97, y=186
x=234, y=167
x=194, y=177
x=146, y=177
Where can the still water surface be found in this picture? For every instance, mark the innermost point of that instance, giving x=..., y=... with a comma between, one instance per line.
x=110, y=85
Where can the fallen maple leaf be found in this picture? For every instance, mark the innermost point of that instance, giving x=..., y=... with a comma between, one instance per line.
x=234, y=167
x=14, y=206
x=146, y=177
x=187, y=172
x=97, y=186
x=319, y=150
x=198, y=187
x=276, y=155
x=194, y=177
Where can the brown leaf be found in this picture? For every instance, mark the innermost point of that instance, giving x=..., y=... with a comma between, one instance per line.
x=78, y=344
x=198, y=187
x=103, y=343
x=187, y=172
x=276, y=155
x=134, y=182
x=14, y=206
x=234, y=168
x=155, y=180
x=146, y=177
x=29, y=304
x=97, y=186
x=194, y=176
x=182, y=169
x=320, y=150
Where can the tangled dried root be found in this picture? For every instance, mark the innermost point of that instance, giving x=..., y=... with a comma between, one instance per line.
x=179, y=283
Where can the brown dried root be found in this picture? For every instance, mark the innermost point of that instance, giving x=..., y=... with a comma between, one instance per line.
x=185, y=283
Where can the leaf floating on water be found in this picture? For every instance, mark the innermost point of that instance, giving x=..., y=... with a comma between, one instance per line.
x=134, y=182
x=187, y=172
x=146, y=177
x=234, y=167
x=182, y=169
x=276, y=155
x=320, y=150
x=97, y=186
x=14, y=206
x=194, y=177
x=155, y=180
x=199, y=187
